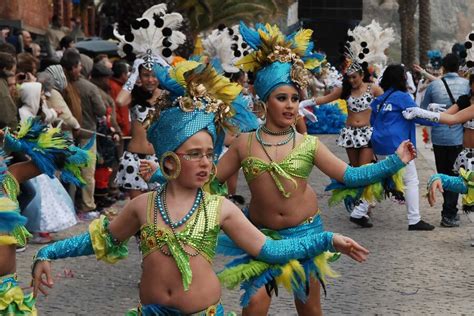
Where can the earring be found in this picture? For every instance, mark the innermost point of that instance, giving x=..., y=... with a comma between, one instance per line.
x=170, y=154
x=261, y=106
x=213, y=173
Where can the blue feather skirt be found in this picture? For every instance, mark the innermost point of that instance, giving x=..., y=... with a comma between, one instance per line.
x=295, y=275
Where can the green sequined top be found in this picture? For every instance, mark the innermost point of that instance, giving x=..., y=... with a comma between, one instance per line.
x=11, y=186
x=298, y=163
x=200, y=233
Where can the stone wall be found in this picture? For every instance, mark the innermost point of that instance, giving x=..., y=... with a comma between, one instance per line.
x=451, y=21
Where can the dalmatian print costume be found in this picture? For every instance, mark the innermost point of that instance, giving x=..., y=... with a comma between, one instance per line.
x=128, y=176
x=357, y=137
x=465, y=158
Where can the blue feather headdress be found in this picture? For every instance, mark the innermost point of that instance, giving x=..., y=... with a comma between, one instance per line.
x=278, y=59
x=199, y=99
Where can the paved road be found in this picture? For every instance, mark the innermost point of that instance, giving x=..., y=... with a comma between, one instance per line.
x=408, y=273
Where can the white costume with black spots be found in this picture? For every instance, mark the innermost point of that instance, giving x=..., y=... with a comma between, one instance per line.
x=357, y=137
x=128, y=176
x=465, y=158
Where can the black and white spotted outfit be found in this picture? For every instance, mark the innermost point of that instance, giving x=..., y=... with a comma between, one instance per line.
x=465, y=158
x=357, y=137
x=128, y=176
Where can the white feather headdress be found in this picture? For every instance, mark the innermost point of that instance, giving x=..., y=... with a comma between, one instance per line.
x=366, y=46
x=469, y=45
x=227, y=45
x=153, y=37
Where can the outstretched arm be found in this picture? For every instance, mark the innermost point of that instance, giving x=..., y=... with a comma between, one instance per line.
x=250, y=239
x=107, y=241
x=23, y=171
x=337, y=169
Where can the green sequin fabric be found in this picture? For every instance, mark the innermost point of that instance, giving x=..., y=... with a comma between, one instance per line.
x=298, y=163
x=197, y=234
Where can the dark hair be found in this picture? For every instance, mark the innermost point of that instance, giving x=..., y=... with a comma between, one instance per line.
x=26, y=63
x=471, y=79
x=119, y=68
x=394, y=77
x=6, y=62
x=234, y=76
x=65, y=42
x=8, y=48
x=347, y=87
x=450, y=63
x=70, y=59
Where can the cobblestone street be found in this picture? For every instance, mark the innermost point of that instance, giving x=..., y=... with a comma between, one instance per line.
x=408, y=272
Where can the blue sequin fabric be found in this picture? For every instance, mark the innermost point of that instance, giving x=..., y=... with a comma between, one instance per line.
x=450, y=183
x=271, y=77
x=368, y=174
x=80, y=245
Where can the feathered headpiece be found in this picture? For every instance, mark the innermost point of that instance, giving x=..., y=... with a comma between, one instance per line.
x=435, y=58
x=227, y=46
x=366, y=46
x=278, y=59
x=200, y=99
x=469, y=51
x=153, y=37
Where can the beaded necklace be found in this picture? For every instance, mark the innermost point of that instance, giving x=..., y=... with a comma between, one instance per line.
x=161, y=195
x=163, y=208
x=279, y=133
x=290, y=132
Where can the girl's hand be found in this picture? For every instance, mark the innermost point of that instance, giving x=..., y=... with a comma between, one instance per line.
x=147, y=169
x=406, y=151
x=42, y=268
x=436, y=185
x=350, y=248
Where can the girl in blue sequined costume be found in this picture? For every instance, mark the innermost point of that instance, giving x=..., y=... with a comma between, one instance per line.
x=277, y=162
x=179, y=223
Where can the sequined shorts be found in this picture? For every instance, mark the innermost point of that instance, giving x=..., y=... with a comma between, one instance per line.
x=355, y=137
x=160, y=310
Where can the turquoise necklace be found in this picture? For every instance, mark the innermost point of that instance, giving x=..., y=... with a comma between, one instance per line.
x=160, y=204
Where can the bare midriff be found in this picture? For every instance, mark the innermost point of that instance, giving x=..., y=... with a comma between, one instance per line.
x=161, y=283
x=7, y=259
x=468, y=140
x=270, y=209
x=139, y=143
x=358, y=119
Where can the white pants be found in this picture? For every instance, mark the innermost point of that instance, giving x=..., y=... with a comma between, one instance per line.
x=412, y=197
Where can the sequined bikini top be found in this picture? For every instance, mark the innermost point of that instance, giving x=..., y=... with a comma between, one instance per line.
x=361, y=103
x=298, y=163
x=140, y=112
x=200, y=233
